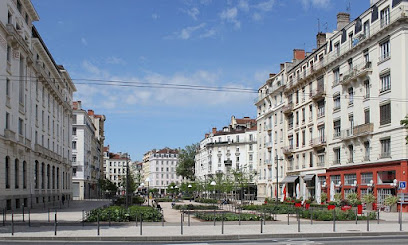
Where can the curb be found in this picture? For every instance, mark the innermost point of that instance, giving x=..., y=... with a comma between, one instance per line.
x=206, y=238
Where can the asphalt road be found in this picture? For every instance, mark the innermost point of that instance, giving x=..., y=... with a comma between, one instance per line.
x=339, y=240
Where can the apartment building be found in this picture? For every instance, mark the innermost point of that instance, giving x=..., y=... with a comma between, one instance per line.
x=232, y=148
x=344, y=103
x=35, y=111
x=159, y=169
x=115, y=168
x=87, y=155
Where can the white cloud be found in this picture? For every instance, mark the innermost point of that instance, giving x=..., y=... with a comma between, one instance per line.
x=188, y=31
x=194, y=12
x=265, y=6
x=315, y=3
x=243, y=5
x=115, y=61
x=230, y=15
x=84, y=41
x=205, y=2
x=209, y=33
x=155, y=16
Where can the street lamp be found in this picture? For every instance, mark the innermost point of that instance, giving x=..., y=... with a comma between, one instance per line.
x=213, y=184
x=189, y=187
x=277, y=159
x=148, y=194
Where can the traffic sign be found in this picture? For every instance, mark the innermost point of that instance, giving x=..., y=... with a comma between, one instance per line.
x=402, y=185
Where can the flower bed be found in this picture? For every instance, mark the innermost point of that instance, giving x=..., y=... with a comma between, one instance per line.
x=326, y=215
x=209, y=216
x=205, y=200
x=195, y=207
x=121, y=214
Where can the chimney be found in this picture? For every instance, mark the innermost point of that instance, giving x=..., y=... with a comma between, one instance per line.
x=91, y=113
x=282, y=66
x=342, y=20
x=298, y=54
x=206, y=135
x=214, y=130
x=320, y=39
x=271, y=75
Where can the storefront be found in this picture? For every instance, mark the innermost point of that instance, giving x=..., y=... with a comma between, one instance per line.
x=380, y=179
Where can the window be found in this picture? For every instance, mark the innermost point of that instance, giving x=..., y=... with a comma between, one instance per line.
x=385, y=16
x=36, y=177
x=74, y=131
x=8, y=87
x=367, y=116
x=385, y=114
x=320, y=158
x=386, y=177
x=310, y=112
x=366, y=89
x=19, y=6
x=74, y=145
x=349, y=179
x=366, y=178
x=351, y=95
x=320, y=108
x=7, y=172
x=385, y=148
x=367, y=28
x=337, y=128
x=336, y=100
x=297, y=118
x=385, y=82
x=336, y=155
x=337, y=48
x=311, y=159
x=24, y=175
x=366, y=151
x=16, y=173
x=303, y=115
x=7, y=120
x=385, y=50
x=8, y=53
x=20, y=126
x=351, y=153
x=335, y=179
x=303, y=138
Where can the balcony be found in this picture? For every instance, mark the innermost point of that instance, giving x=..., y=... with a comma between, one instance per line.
x=10, y=135
x=318, y=94
x=28, y=143
x=357, y=131
x=385, y=155
x=288, y=150
x=318, y=142
x=287, y=108
x=356, y=72
x=290, y=167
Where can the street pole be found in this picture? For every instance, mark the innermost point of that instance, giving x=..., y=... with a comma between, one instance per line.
x=127, y=180
x=277, y=178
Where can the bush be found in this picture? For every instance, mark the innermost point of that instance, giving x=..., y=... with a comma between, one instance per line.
x=205, y=200
x=121, y=214
x=390, y=200
x=209, y=216
x=323, y=197
x=165, y=199
x=327, y=215
x=187, y=198
x=195, y=207
x=369, y=198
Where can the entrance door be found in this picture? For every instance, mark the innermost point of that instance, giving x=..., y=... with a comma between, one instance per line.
x=381, y=195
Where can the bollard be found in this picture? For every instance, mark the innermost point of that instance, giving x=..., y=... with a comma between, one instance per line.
x=29, y=217
x=378, y=216
x=55, y=224
x=334, y=220
x=356, y=216
x=311, y=216
x=136, y=219
x=264, y=217
x=222, y=223
x=400, y=219
x=368, y=221
x=298, y=219
x=48, y=215
x=261, y=226
x=214, y=217
x=97, y=222
x=12, y=222
x=188, y=218
x=23, y=213
x=181, y=224
x=288, y=217
x=239, y=216
x=163, y=218
x=83, y=217
x=141, y=224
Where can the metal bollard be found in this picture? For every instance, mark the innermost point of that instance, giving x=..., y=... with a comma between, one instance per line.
x=23, y=213
x=97, y=221
x=162, y=217
x=29, y=217
x=48, y=215
x=378, y=216
x=288, y=218
x=55, y=224
x=239, y=216
x=356, y=216
x=83, y=217
x=222, y=223
x=214, y=217
x=368, y=221
x=181, y=224
x=311, y=216
x=12, y=223
x=298, y=219
x=188, y=218
x=261, y=226
x=334, y=220
x=141, y=224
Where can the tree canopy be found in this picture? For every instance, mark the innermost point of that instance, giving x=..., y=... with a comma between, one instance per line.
x=186, y=162
x=404, y=122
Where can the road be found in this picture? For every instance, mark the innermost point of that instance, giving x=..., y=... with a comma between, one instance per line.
x=334, y=241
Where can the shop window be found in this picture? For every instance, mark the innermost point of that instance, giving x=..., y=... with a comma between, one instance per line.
x=386, y=177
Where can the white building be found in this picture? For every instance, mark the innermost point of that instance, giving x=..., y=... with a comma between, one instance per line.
x=344, y=103
x=87, y=155
x=233, y=147
x=35, y=113
x=159, y=166
x=115, y=166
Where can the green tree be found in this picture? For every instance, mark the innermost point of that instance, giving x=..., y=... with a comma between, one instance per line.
x=186, y=162
x=132, y=183
x=404, y=122
x=107, y=186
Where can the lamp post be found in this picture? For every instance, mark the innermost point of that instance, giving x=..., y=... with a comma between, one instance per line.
x=148, y=193
x=189, y=190
x=127, y=180
x=277, y=159
x=213, y=184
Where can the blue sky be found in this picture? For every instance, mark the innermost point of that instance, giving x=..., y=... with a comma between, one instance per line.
x=234, y=43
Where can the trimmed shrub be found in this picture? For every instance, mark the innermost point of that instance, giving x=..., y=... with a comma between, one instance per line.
x=121, y=214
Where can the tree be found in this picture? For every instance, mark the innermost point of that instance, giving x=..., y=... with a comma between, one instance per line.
x=404, y=122
x=132, y=183
x=186, y=162
x=107, y=186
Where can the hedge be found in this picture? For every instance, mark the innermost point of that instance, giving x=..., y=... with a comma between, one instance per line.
x=209, y=216
x=121, y=214
x=205, y=200
x=195, y=207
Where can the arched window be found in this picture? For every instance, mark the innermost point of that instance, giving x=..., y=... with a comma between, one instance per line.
x=36, y=177
x=16, y=174
x=42, y=176
x=53, y=177
x=24, y=175
x=48, y=177
x=58, y=179
x=7, y=172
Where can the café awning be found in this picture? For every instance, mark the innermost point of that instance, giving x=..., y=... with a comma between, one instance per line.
x=290, y=179
x=308, y=177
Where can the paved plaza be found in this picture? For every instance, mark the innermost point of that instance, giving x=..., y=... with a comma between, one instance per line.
x=70, y=227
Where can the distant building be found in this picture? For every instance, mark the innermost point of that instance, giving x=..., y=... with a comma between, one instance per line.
x=35, y=114
x=115, y=167
x=87, y=156
x=160, y=167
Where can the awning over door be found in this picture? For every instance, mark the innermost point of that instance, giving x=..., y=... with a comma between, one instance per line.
x=308, y=177
x=290, y=179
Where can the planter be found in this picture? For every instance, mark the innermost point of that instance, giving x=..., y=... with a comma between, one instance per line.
x=375, y=206
x=345, y=208
x=331, y=207
x=393, y=208
x=298, y=205
x=307, y=205
x=369, y=206
x=360, y=209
